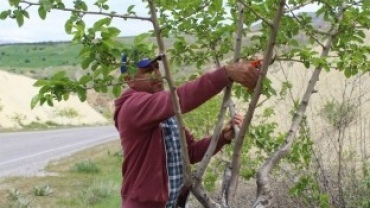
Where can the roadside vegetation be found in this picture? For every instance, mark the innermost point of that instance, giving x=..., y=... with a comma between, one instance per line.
x=90, y=178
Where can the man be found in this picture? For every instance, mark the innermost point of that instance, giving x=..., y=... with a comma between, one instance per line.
x=144, y=117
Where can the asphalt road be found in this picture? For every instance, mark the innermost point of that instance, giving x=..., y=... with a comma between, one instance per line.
x=27, y=153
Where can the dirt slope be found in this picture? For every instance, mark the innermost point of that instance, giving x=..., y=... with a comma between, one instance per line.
x=16, y=92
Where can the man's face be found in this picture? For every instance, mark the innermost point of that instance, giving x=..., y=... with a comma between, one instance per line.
x=148, y=79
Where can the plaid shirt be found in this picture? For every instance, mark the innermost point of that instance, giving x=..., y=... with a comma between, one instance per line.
x=174, y=163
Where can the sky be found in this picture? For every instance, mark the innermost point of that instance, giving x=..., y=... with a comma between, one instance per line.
x=52, y=28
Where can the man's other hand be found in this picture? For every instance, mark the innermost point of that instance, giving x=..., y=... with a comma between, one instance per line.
x=228, y=130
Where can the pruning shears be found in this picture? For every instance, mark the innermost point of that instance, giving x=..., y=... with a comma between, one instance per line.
x=258, y=62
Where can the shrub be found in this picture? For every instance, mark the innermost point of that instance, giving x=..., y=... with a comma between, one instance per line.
x=27, y=61
x=97, y=192
x=42, y=190
x=86, y=167
x=68, y=112
x=338, y=114
x=14, y=194
x=18, y=118
x=15, y=200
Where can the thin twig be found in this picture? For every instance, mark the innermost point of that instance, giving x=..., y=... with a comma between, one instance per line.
x=294, y=8
x=91, y=12
x=256, y=14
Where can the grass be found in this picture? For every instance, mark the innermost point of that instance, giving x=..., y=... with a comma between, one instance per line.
x=69, y=188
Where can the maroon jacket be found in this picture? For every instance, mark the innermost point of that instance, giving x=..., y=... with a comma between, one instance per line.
x=137, y=118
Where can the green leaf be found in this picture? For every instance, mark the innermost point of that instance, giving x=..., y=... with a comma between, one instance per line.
x=85, y=51
x=25, y=13
x=40, y=83
x=129, y=9
x=81, y=92
x=114, y=32
x=109, y=43
x=46, y=4
x=19, y=18
x=44, y=89
x=66, y=96
x=49, y=100
x=42, y=12
x=42, y=101
x=14, y=2
x=4, y=14
x=104, y=89
x=361, y=34
x=35, y=100
x=348, y=72
x=86, y=62
x=59, y=75
x=105, y=7
x=68, y=26
x=306, y=64
x=85, y=79
x=117, y=91
x=100, y=23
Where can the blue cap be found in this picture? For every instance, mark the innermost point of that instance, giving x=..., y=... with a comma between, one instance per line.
x=145, y=62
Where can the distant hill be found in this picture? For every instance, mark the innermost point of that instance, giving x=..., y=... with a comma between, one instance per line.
x=16, y=92
x=9, y=41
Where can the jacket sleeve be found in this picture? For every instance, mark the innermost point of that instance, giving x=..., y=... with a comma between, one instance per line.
x=197, y=149
x=146, y=110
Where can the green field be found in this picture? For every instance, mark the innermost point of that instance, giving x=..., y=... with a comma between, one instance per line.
x=38, y=55
x=42, y=55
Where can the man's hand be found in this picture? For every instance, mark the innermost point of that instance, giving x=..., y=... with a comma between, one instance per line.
x=228, y=130
x=243, y=72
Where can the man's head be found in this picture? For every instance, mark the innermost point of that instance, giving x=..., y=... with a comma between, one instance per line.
x=148, y=77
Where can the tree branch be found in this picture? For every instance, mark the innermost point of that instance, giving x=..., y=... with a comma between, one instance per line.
x=310, y=32
x=299, y=61
x=291, y=9
x=198, y=191
x=91, y=12
x=256, y=14
x=236, y=164
x=264, y=195
x=174, y=96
